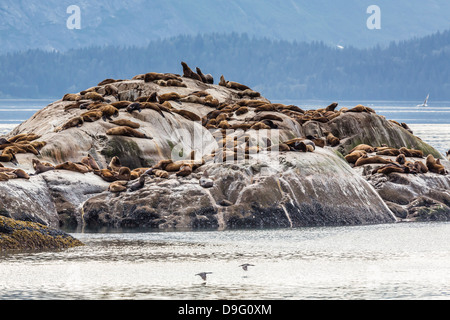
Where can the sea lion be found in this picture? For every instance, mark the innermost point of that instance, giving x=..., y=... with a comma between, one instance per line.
x=188, y=73
x=118, y=186
x=185, y=170
x=125, y=122
x=434, y=166
x=106, y=174
x=136, y=106
x=40, y=167
x=153, y=106
x=127, y=131
x=400, y=159
x=121, y=104
x=332, y=106
x=139, y=184
x=94, y=96
x=355, y=155
x=171, y=96
x=161, y=174
x=388, y=152
x=175, y=83
x=388, y=169
x=106, y=81
x=111, y=90
x=411, y=152
x=90, y=162
x=74, y=122
x=249, y=93
x=364, y=147
x=123, y=174
x=279, y=147
x=205, y=78
x=4, y=177
x=332, y=140
x=241, y=111
x=23, y=137
x=8, y=155
x=91, y=116
x=21, y=174
x=188, y=115
x=151, y=98
x=71, y=166
x=370, y=160
x=265, y=107
x=115, y=164
x=421, y=167
x=260, y=126
x=71, y=97
x=162, y=164
x=108, y=111
x=361, y=108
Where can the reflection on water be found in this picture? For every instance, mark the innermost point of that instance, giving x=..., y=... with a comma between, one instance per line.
x=369, y=262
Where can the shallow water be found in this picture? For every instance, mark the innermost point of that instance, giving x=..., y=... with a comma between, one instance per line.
x=394, y=261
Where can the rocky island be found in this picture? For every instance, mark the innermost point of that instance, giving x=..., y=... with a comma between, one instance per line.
x=171, y=151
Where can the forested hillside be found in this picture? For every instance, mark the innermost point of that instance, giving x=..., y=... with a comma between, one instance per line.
x=278, y=69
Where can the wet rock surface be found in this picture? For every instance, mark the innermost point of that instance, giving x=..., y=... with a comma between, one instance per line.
x=284, y=166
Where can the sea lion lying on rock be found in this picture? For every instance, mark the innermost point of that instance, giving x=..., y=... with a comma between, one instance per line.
x=127, y=131
x=434, y=165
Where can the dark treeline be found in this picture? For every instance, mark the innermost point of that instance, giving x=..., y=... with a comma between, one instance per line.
x=278, y=69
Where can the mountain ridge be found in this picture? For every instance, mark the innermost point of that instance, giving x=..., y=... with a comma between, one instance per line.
x=29, y=25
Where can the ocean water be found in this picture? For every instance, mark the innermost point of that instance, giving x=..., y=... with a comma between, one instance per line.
x=431, y=124
x=380, y=262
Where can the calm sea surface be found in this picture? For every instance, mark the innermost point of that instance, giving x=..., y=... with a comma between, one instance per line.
x=394, y=261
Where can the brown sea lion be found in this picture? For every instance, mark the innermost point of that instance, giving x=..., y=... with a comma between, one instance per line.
x=388, y=152
x=125, y=122
x=185, y=170
x=71, y=97
x=332, y=140
x=434, y=166
x=355, y=155
x=71, y=166
x=332, y=106
x=369, y=160
x=171, y=96
x=90, y=162
x=123, y=174
x=411, y=152
x=361, y=108
x=106, y=81
x=94, y=96
x=115, y=164
x=188, y=115
x=364, y=147
x=74, y=122
x=127, y=131
x=188, y=73
x=40, y=167
x=8, y=155
x=388, y=169
x=91, y=116
x=121, y=104
x=118, y=186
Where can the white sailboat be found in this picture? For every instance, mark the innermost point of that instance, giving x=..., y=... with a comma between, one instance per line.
x=425, y=103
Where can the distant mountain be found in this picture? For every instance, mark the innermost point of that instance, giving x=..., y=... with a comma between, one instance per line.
x=26, y=24
x=278, y=69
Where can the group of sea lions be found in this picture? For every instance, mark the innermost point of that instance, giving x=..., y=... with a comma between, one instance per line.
x=359, y=156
